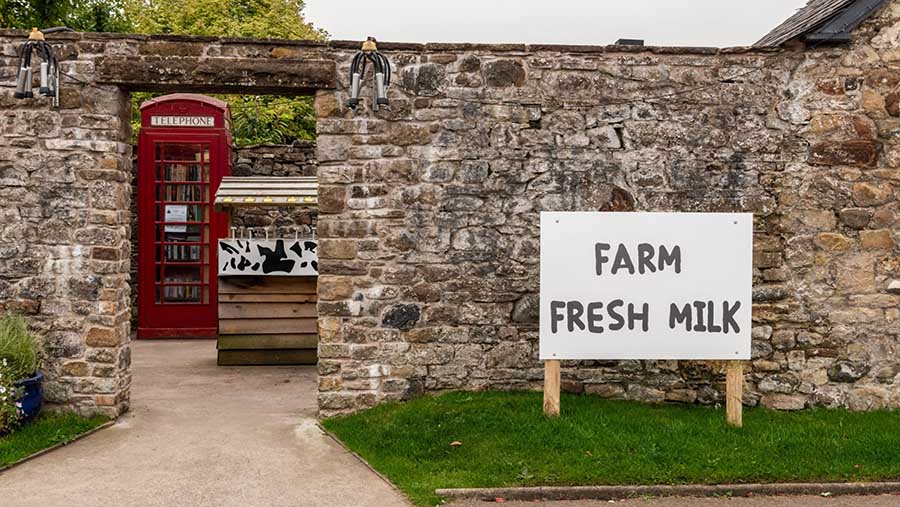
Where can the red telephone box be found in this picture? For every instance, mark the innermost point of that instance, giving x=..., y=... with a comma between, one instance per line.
x=184, y=150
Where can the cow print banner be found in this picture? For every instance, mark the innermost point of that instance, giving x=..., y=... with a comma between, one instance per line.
x=278, y=257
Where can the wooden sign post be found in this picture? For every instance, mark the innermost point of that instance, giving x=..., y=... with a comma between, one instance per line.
x=646, y=286
x=734, y=393
x=551, y=388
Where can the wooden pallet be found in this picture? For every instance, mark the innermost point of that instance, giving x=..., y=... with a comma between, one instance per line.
x=267, y=357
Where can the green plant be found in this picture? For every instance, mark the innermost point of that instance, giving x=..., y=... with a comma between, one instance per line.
x=45, y=431
x=271, y=120
x=255, y=119
x=503, y=439
x=10, y=407
x=21, y=351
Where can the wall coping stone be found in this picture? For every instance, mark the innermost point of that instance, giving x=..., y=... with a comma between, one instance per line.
x=425, y=47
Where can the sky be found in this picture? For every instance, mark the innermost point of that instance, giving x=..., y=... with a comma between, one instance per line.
x=718, y=23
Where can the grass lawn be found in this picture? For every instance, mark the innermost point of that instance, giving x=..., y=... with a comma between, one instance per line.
x=506, y=441
x=47, y=430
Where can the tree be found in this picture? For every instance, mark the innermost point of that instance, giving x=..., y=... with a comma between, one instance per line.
x=83, y=15
x=223, y=18
x=255, y=119
x=267, y=119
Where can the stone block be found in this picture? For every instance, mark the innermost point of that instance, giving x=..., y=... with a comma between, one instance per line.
x=876, y=240
x=102, y=337
x=75, y=369
x=855, y=218
x=783, y=339
x=332, y=148
x=847, y=371
x=833, y=241
x=784, y=401
x=862, y=153
x=402, y=317
x=871, y=194
x=334, y=287
x=894, y=287
x=425, y=80
x=337, y=249
x=504, y=73
x=856, y=274
x=605, y=390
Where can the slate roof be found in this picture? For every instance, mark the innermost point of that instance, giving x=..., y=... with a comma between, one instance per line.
x=807, y=19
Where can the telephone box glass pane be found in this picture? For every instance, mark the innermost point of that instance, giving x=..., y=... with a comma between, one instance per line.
x=182, y=152
x=182, y=216
x=175, y=192
x=181, y=172
x=181, y=213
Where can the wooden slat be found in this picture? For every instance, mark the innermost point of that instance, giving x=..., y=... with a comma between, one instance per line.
x=734, y=393
x=268, y=341
x=266, y=310
x=267, y=357
x=267, y=326
x=268, y=298
x=297, y=191
x=252, y=190
x=268, y=178
x=551, y=388
x=267, y=285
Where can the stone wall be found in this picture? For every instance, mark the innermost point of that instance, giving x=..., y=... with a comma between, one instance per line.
x=65, y=229
x=429, y=225
x=296, y=159
x=429, y=209
x=65, y=176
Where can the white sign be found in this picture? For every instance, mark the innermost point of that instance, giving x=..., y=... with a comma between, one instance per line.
x=646, y=285
x=176, y=213
x=277, y=257
x=182, y=121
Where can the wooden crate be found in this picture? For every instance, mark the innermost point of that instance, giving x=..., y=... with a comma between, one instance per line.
x=267, y=320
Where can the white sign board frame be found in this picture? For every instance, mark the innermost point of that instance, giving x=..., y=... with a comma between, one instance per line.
x=691, y=263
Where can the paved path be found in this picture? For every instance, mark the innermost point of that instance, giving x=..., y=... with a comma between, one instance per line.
x=761, y=501
x=197, y=435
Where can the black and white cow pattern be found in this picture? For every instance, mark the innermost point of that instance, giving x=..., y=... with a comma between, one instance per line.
x=268, y=257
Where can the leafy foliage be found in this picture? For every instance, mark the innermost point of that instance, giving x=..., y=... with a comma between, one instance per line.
x=21, y=350
x=21, y=354
x=223, y=18
x=10, y=407
x=255, y=119
x=271, y=120
x=82, y=15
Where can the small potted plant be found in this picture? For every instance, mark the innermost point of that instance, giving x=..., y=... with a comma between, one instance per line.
x=21, y=355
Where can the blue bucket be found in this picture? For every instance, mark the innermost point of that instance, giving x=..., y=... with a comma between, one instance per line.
x=32, y=396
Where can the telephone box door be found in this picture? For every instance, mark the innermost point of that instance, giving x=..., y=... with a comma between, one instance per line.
x=179, y=170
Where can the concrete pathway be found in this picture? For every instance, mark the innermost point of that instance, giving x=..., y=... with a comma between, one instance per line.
x=761, y=501
x=197, y=435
